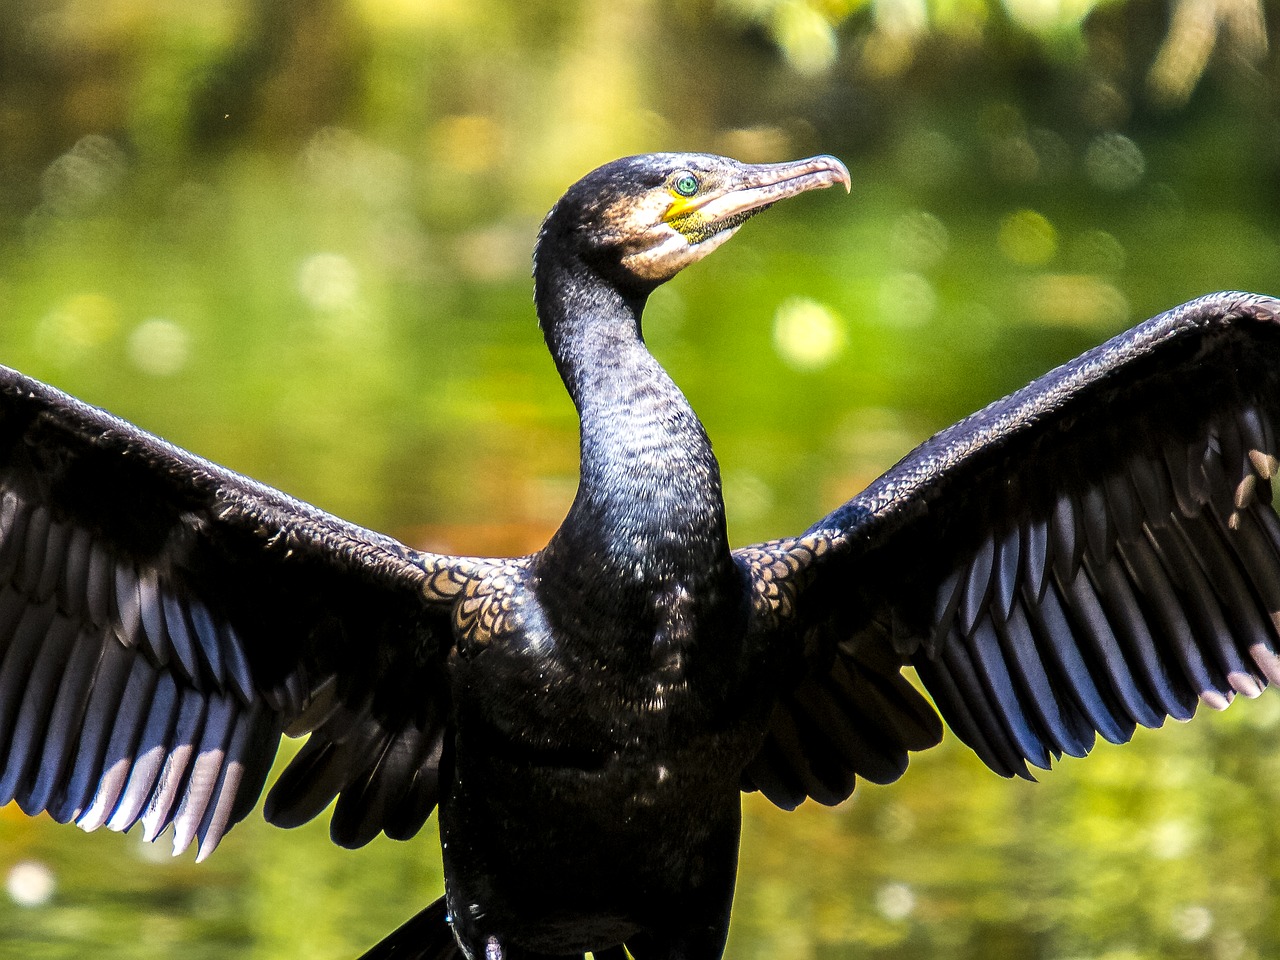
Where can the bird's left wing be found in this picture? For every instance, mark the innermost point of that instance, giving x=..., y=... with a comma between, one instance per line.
x=1096, y=551
x=163, y=619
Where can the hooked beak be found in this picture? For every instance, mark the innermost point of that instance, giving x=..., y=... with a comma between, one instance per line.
x=689, y=228
x=761, y=185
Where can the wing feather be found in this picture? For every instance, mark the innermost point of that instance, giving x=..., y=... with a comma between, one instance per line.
x=1065, y=728
x=150, y=752
x=17, y=726
x=65, y=720
x=31, y=559
x=121, y=753
x=202, y=782
x=1096, y=551
x=234, y=772
x=163, y=619
x=85, y=771
x=410, y=812
x=989, y=662
x=188, y=728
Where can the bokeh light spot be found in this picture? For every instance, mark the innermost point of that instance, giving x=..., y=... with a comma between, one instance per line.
x=83, y=322
x=341, y=160
x=79, y=178
x=328, y=281
x=1193, y=923
x=919, y=240
x=1014, y=160
x=1172, y=839
x=30, y=884
x=495, y=253
x=806, y=334
x=469, y=143
x=1072, y=300
x=1113, y=162
x=895, y=901
x=808, y=41
x=750, y=494
x=1028, y=238
x=159, y=347
x=907, y=300
x=1098, y=251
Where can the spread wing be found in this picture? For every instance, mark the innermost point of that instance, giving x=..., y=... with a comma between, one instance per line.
x=162, y=620
x=1096, y=551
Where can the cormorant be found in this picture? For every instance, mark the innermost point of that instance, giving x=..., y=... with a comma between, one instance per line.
x=1095, y=551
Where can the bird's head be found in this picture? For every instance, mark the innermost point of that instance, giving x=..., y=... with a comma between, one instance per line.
x=640, y=220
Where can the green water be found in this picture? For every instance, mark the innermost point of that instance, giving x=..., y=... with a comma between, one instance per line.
x=310, y=262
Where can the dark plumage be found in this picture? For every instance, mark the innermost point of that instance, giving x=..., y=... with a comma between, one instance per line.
x=1094, y=552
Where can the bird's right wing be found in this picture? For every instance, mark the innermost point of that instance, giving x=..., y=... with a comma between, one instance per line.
x=163, y=619
x=1095, y=551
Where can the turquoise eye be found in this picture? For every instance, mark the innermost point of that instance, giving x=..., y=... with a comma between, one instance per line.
x=686, y=185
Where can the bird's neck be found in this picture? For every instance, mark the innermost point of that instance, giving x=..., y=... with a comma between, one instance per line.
x=649, y=514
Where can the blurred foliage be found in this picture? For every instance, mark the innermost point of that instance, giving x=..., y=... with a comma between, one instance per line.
x=294, y=235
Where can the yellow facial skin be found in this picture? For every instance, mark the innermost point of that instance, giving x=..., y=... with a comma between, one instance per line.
x=684, y=216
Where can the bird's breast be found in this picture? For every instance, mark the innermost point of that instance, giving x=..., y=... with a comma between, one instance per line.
x=576, y=675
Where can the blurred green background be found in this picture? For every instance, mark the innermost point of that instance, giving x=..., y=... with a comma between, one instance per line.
x=294, y=236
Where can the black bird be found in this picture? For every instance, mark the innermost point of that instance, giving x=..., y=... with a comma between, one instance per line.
x=1096, y=551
